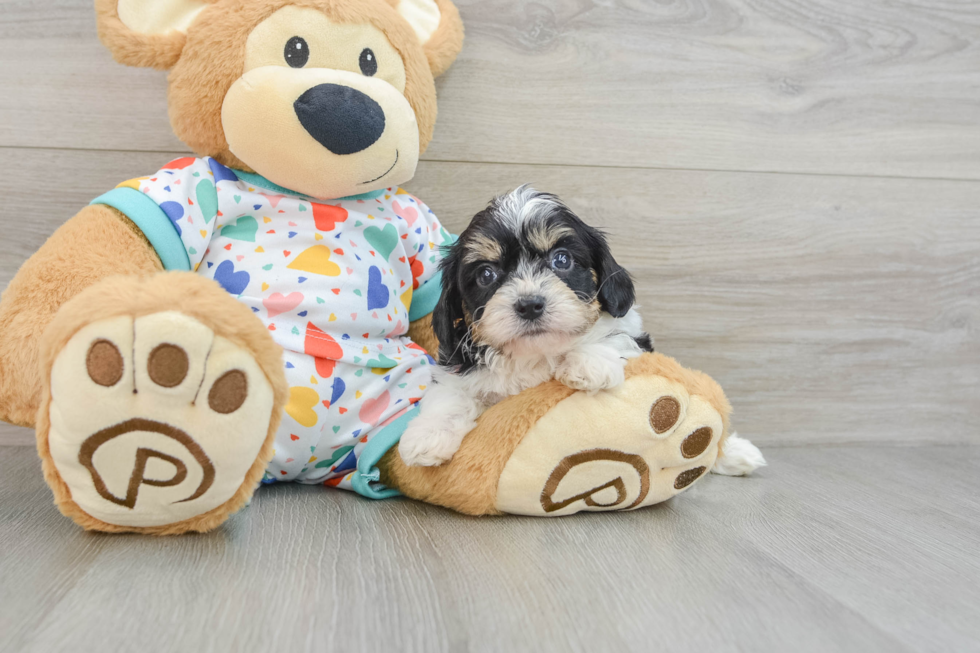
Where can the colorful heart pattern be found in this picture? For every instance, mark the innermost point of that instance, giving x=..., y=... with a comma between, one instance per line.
x=333, y=281
x=384, y=240
x=378, y=294
x=316, y=260
x=244, y=229
x=372, y=409
x=232, y=281
x=277, y=303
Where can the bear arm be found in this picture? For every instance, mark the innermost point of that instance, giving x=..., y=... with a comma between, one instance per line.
x=96, y=243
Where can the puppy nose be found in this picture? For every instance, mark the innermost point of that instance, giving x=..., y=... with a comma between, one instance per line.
x=529, y=308
x=340, y=118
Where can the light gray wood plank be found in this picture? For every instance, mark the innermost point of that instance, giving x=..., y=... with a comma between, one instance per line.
x=830, y=548
x=11, y=435
x=826, y=86
x=866, y=525
x=829, y=308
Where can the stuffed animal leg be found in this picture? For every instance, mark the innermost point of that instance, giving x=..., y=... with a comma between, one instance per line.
x=156, y=395
x=130, y=405
x=552, y=451
x=97, y=243
x=160, y=411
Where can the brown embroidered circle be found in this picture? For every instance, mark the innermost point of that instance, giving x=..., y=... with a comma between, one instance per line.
x=686, y=478
x=167, y=365
x=104, y=363
x=86, y=456
x=695, y=444
x=664, y=414
x=229, y=392
x=568, y=462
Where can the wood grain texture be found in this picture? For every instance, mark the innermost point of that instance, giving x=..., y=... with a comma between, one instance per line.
x=827, y=86
x=839, y=306
x=11, y=435
x=829, y=308
x=816, y=553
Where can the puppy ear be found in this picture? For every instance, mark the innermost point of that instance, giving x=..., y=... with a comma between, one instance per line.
x=146, y=33
x=448, y=318
x=616, y=292
x=439, y=28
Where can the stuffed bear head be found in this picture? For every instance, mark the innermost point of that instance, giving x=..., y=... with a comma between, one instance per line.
x=328, y=98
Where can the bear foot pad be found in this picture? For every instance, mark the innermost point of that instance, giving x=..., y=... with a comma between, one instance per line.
x=633, y=446
x=155, y=419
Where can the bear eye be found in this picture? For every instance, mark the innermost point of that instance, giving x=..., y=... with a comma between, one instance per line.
x=561, y=260
x=368, y=62
x=297, y=52
x=486, y=275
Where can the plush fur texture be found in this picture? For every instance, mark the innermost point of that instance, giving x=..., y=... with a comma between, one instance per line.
x=159, y=51
x=514, y=241
x=194, y=296
x=97, y=243
x=445, y=43
x=530, y=293
x=468, y=482
x=206, y=62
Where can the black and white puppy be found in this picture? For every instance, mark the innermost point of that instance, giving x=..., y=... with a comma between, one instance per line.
x=530, y=293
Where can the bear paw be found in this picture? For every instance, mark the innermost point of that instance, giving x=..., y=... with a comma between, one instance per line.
x=155, y=420
x=632, y=446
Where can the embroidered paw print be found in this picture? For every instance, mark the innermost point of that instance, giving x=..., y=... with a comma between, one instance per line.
x=156, y=419
x=634, y=445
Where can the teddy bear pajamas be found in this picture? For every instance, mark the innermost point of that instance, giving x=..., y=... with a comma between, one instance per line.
x=277, y=347
x=336, y=284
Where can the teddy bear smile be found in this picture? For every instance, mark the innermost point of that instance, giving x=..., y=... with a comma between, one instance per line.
x=371, y=181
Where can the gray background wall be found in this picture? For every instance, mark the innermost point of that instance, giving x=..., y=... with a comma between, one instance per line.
x=794, y=185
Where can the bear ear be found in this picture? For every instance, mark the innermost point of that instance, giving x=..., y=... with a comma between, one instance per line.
x=439, y=28
x=147, y=33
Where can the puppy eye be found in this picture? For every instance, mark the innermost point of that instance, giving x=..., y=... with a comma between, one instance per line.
x=561, y=260
x=368, y=62
x=297, y=52
x=486, y=275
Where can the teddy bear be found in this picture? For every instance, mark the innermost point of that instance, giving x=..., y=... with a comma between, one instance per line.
x=260, y=312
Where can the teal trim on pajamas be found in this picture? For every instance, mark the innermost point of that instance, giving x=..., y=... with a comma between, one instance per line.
x=259, y=180
x=152, y=221
x=424, y=299
x=370, y=195
x=366, y=480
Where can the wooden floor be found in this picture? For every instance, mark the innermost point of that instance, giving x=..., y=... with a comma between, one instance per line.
x=832, y=548
x=795, y=187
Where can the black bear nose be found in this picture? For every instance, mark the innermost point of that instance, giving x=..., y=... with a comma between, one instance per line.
x=340, y=118
x=529, y=308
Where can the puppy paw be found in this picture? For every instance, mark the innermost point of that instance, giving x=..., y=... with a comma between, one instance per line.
x=424, y=444
x=739, y=457
x=591, y=373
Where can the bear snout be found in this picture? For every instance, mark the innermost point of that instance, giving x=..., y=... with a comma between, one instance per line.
x=342, y=119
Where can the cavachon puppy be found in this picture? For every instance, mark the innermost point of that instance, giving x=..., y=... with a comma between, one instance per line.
x=530, y=293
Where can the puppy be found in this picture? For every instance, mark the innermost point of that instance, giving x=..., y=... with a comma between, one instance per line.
x=530, y=293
